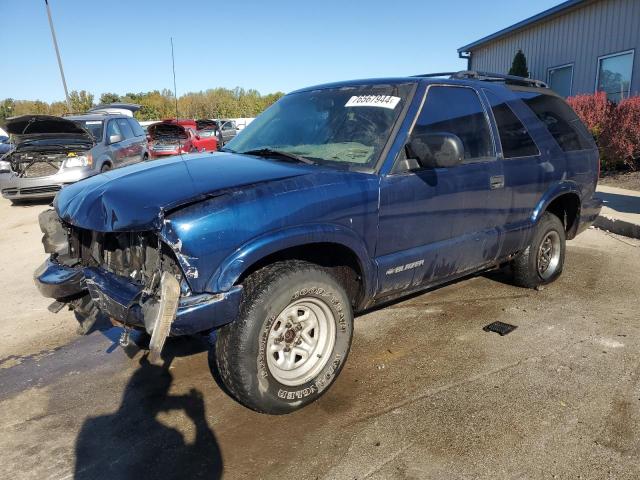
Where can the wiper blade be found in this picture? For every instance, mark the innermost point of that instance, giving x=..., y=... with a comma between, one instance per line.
x=268, y=152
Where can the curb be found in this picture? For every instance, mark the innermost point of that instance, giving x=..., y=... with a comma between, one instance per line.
x=619, y=227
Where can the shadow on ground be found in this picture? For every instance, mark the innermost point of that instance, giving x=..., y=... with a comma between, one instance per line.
x=132, y=443
x=620, y=203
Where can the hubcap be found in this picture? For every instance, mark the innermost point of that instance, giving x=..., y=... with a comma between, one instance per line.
x=549, y=255
x=300, y=341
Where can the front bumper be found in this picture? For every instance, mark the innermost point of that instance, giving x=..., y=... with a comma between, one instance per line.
x=127, y=303
x=14, y=187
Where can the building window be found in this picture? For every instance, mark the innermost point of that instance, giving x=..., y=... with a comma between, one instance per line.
x=560, y=79
x=614, y=75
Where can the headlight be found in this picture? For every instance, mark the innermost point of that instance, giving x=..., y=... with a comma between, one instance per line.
x=5, y=167
x=79, y=161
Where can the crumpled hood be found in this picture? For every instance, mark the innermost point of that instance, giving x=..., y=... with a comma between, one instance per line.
x=135, y=198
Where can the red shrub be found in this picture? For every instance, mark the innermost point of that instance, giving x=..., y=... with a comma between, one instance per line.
x=594, y=110
x=616, y=128
x=623, y=139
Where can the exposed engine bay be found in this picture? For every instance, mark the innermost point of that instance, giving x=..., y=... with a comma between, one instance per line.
x=41, y=163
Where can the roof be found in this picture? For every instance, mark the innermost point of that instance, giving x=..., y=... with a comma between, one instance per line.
x=557, y=10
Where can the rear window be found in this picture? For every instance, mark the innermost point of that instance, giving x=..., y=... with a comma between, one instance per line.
x=561, y=121
x=514, y=137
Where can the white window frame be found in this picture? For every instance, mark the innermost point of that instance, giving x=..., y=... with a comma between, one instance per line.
x=631, y=51
x=558, y=67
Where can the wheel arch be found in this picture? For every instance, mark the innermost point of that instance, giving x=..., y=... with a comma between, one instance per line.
x=332, y=246
x=562, y=200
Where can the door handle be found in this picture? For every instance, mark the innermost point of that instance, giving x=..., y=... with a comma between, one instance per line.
x=496, y=181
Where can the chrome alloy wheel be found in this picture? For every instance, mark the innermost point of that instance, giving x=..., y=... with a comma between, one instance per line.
x=549, y=255
x=300, y=341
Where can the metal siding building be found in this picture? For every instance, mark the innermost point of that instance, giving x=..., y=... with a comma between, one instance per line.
x=576, y=34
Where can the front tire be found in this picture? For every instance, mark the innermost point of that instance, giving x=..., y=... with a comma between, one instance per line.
x=290, y=340
x=543, y=260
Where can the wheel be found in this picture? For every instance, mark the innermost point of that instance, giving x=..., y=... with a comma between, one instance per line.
x=543, y=260
x=290, y=340
x=145, y=157
x=105, y=168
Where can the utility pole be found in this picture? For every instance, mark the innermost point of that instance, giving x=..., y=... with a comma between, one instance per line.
x=175, y=90
x=55, y=45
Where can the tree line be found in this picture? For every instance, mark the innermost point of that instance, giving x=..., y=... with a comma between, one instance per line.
x=155, y=105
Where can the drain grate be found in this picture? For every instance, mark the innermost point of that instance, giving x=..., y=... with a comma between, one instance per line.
x=500, y=328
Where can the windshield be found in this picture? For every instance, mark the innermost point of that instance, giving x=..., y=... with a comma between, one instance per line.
x=94, y=127
x=346, y=126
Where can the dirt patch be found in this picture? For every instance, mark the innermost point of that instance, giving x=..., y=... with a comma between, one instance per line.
x=628, y=180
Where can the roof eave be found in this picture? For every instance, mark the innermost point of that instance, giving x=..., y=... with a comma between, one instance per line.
x=524, y=23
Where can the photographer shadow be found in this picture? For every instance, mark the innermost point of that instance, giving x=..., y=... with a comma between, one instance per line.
x=133, y=444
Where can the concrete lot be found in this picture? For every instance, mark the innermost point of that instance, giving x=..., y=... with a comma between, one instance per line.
x=425, y=393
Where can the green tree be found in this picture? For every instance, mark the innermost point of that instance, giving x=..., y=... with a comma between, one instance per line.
x=519, y=65
x=7, y=107
x=108, y=97
x=81, y=101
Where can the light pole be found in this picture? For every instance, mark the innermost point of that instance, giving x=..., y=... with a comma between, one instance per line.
x=55, y=45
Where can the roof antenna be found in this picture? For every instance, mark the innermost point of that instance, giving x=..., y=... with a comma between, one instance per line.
x=175, y=91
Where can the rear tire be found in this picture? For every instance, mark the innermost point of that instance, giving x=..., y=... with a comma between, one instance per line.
x=543, y=260
x=105, y=168
x=290, y=340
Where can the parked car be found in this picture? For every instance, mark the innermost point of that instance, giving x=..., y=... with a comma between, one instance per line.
x=202, y=139
x=336, y=199
x=51, y=152
x=166, y=139
x=228, y=129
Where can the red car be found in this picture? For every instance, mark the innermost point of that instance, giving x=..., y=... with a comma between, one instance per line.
x=166, y=139
x=203, y=135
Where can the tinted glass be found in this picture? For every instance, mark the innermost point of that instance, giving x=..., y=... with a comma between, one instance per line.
x=342, y=126
x=113, y=129
x=515, y=140
x=137, y=129
x=458, y=111
x=614, y=76
x=560, y=80
x=561, y=121
x=125, y=128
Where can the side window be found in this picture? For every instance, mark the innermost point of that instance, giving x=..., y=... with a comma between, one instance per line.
x=113, y=129
x=457, y=110
x=562, y=122
x=125, y=128
x=515, y=140
x=135, y=126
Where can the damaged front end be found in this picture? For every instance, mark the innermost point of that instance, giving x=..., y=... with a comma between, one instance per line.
x=134, y=278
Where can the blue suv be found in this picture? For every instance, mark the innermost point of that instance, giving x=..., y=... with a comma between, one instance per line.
x=337, y=198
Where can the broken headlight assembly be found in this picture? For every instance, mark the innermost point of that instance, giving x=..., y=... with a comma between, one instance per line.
x=5, y=167
x=85, y=160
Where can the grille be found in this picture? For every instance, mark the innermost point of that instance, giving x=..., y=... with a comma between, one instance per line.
x=134, y=255
x=41, y=169
x=165, y=148
x=32, y=190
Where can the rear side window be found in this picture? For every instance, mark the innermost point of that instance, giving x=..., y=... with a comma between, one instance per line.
x=125, y=128
x=514, y=137
x=457, y=110
x=135, y=126
x=561, y=121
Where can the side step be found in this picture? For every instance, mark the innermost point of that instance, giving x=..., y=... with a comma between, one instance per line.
x=169, y=297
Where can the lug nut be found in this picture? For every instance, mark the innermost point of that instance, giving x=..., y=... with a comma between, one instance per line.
x=298, y=342
x=298, y=327
x=287, y=349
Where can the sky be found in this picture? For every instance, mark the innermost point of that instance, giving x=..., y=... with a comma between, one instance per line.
x=124, y=46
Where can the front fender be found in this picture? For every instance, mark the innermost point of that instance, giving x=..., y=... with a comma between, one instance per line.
x=258, y=248
x=554, y=191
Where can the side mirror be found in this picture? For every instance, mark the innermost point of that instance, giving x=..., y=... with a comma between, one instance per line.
x=115, y=138
x=197, y=137
x=436, y=150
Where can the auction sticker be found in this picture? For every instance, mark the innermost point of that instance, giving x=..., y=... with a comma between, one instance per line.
x=384, y=101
